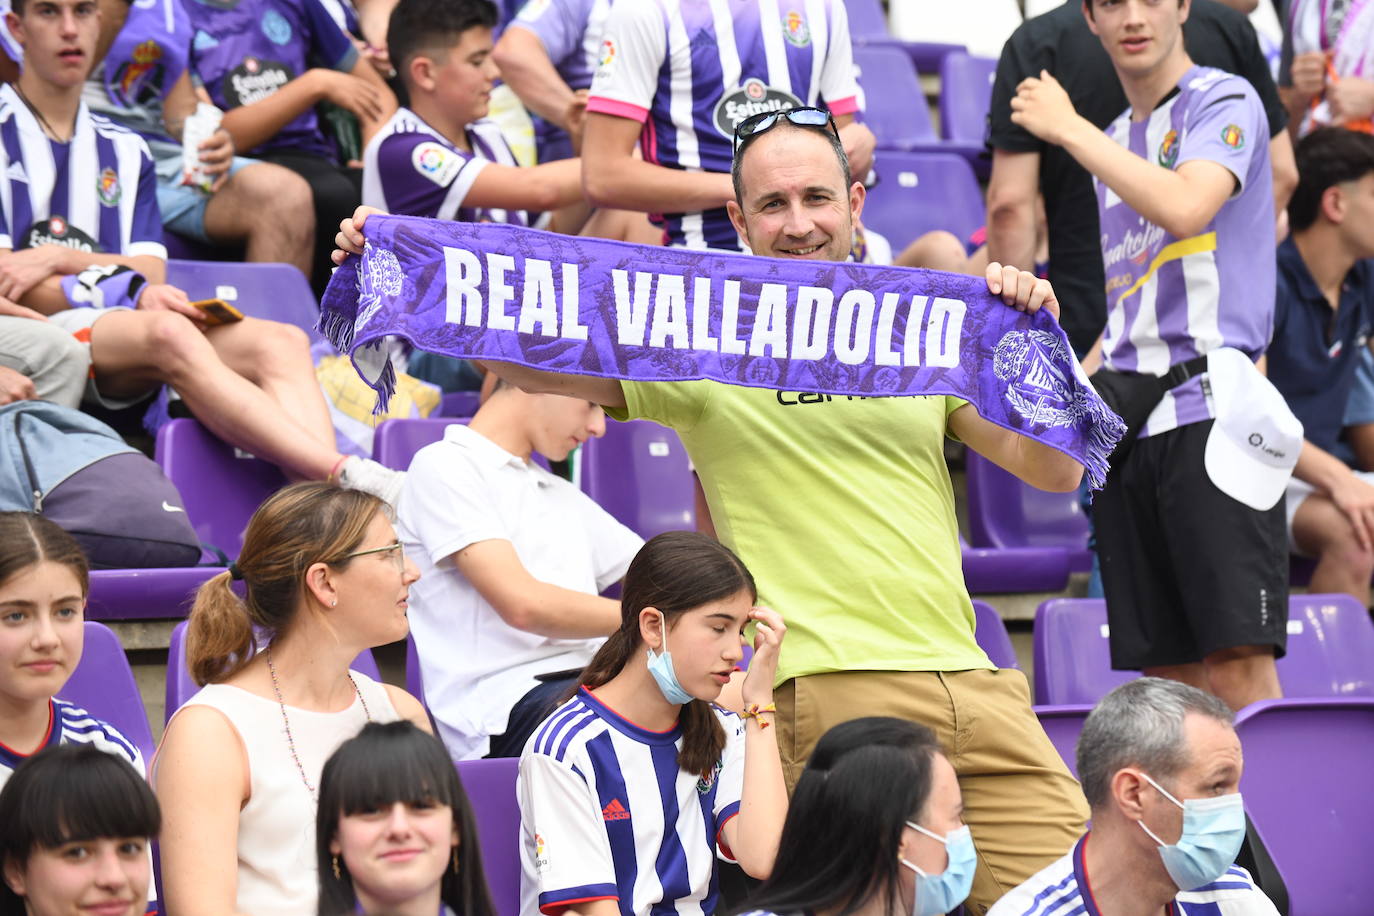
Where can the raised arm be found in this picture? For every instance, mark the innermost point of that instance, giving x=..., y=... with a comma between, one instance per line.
x=1011, y=208
x=1036, y=463
x=613, y=177
x=526, y=68
x=547, y=186
x=524, y=602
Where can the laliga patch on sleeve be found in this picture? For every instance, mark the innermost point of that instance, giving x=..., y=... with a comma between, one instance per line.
x=436, y=162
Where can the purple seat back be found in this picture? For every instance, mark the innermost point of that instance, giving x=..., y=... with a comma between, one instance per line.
x=639, y=472
x=965, y=96
x=1063, y=724
x=1006, y=512
x=140, y=594
x=919, y=192
x=103, y=684
x=460, y=403
x=490, y=787
x=396, y=441
x=1011, y=570
x=866, y=19
x=278, y=292
x=1072, y=656
x=221, y=490
x=895, y=105
x=1330, y=648
x=1307, y=788
x=991, y=633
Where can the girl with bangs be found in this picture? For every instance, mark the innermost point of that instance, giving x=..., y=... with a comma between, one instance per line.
x=395, y=834
x=78, y=824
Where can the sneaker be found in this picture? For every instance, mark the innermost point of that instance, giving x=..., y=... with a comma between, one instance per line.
x=370, y=477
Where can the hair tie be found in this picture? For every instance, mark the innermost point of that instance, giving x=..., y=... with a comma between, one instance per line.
x=235, y=573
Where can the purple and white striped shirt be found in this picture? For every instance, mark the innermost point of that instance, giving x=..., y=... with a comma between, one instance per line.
x=690, y=70
x=411, y=169
x=1171, y=299
x=570, y=31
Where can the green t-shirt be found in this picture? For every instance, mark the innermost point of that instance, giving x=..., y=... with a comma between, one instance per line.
x=843, y=510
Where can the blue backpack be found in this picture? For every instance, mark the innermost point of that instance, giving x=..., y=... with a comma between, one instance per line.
x=78, y=472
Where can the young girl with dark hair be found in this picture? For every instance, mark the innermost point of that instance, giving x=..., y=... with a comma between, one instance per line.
x=43, y=586
x=395, y=833
x=77, y=826
x=239, y=765
x=630, y=789
x=874, y=828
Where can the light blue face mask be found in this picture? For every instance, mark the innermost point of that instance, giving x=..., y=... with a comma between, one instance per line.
x=661, y=667
x=1213, y=829
x=939, y=894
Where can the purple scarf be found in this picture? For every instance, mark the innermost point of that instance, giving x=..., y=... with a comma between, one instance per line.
x=596, y=307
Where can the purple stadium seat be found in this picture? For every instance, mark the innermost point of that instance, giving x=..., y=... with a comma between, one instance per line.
x=490, y=787
x=639, y=472
x=279, y=292
x=965, y=94
x=991, y=634
x=1005, y=512
x=867, y=19
x=1072, y=657
x=141, y=594
x=1014, y=570
x=918, y=192
x=460, y=403
x=868, y=26
x=396, y=441
x=1063, y=724
x=103, y=684
x=220, y=488
x=895, y=108
x=1307, y=789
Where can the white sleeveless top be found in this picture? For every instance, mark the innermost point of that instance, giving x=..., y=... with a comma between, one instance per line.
x=277, y=874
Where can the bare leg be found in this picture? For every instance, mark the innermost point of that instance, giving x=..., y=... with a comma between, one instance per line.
x=938, y=250
x=1243, y=675
x=269, y=208
x=1194, y=675
x=1343, y=566
x=133, y=351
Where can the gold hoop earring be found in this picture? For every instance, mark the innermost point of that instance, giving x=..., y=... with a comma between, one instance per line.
x=455, y=860
x=337, y=875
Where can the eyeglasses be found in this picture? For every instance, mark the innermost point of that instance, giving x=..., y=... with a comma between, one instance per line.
x=398, y=559
x=764, y=121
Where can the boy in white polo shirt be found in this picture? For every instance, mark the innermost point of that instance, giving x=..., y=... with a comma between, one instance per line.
x=512, y=559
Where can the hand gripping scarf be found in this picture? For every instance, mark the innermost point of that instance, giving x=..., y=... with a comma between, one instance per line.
x=595, y=307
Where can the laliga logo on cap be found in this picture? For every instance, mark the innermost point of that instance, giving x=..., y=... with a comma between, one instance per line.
x=1257, y=441
x=1037, y=388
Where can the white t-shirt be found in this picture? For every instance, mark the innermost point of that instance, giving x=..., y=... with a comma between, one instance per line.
x=607, y=814
x=464, y=489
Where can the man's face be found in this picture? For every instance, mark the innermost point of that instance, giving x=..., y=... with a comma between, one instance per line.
x=1357, y=228
x=1139, y=35
x=795, y=203
x=1213, y=768
x=59, y=38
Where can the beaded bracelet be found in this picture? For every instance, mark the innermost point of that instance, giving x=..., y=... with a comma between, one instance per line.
x=755, y=711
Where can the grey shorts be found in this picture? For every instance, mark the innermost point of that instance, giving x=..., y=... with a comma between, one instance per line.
x=78, y=323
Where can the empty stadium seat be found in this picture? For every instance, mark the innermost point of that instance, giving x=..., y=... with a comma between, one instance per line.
x=1063, y=724
x=459, y=403
x=868, y=26
x=1014, y=570
x=278, y=292
x=220, y=486
x=894, y=105
x=1307, y=789
x=490, y=787
x=918, y=192
x=991, y=634
x=965, y=96
x=1006, y=512
x=1073, y=661
x=142, y=594
x=103, y=684
x=983, y=27
x=639, y=472
x=397, y=441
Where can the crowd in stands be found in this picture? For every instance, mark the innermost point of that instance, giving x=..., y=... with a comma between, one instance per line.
x=1201, y=228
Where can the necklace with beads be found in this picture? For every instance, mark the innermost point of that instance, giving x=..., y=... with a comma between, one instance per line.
x=286, y=722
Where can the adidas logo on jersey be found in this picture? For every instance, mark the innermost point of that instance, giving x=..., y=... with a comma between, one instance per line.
x=615, y=811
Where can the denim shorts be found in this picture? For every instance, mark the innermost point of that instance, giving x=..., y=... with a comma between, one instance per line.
x=183, y=206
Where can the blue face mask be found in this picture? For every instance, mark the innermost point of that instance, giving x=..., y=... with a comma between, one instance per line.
x=939, y=894
x=661, y=667
x=1213, y=829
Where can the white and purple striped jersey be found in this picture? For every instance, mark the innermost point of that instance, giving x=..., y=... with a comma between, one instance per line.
x=691, y=70
x=570, y=31
x=411, y=169
x=1171, y=299
x=68, y=724
x=97, y=192
x=606, y=813
x=1062, y=888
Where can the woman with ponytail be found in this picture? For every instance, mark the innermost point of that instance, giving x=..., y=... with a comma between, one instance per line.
x=239, y=766
x=630, y=789
x=874, y=828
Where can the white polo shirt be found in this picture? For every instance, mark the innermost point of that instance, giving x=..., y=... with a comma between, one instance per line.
x=464, y=489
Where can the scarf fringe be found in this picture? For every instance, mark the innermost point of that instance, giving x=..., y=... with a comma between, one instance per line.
x=1105, y=430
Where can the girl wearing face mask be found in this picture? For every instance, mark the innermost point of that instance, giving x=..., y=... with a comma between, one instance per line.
x=630, y=789
x=77, y=824
x=874, y=828
x=395, y=833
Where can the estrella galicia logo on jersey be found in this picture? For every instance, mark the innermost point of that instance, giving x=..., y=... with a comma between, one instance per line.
x=752, y=98
x=705, y=783
x=794, y=29
x=254, y=80
x=276, y=28
x=436, y=162
x=1028, y=361
x=55, y=230
x=1168, y=150
x=1233, y=136
x=107, y=187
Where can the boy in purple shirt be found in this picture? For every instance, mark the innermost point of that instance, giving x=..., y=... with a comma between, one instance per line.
x=1195, y=578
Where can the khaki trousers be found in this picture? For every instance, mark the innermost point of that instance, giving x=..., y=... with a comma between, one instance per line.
x=1023, y=807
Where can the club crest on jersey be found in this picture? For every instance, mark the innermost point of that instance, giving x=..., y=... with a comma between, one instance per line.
x=753, y=97
x=705, y=783
x=794, y=29
x=276, y=28
x=1233, y=136
x=1036, y=387
x=107, y=187
x=1168, y=150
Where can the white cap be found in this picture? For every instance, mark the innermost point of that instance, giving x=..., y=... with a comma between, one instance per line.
x=1255, y=440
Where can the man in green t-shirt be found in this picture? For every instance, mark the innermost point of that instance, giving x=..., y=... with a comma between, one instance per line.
x=842, y=508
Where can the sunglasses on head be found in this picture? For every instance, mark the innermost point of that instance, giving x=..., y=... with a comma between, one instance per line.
x=765, y=121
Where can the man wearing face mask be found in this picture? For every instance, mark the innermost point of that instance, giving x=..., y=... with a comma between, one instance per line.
x=1160, y=763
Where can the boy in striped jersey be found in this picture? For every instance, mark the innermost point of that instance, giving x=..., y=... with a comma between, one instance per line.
x=1195, y=570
